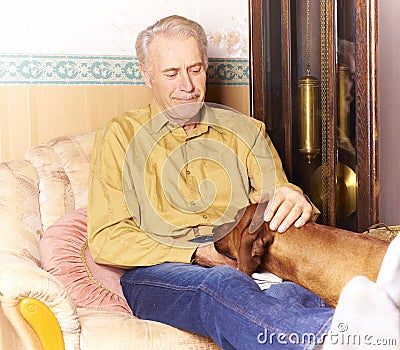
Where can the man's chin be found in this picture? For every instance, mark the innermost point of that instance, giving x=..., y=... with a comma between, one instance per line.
x=186, y=110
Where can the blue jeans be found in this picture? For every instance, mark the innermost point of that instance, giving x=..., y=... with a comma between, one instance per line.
x=228, y=306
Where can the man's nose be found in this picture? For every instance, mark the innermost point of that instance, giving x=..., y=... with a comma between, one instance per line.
x=186, y=83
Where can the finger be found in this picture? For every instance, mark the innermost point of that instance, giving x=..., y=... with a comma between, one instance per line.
x=281, y=195
x=280, y=215
x=273, y=206
x=294, y=214
x=304, y=218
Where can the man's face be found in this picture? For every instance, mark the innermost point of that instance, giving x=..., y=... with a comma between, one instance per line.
x=178, y=75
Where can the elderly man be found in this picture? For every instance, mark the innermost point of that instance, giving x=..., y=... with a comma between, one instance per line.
x=165, y=175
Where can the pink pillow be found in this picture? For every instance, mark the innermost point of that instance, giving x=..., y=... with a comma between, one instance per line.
x=65, y=254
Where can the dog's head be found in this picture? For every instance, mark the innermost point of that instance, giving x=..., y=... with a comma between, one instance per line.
x=245, y=238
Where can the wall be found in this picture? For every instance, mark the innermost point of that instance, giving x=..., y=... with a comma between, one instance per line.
x=68, y=66
x=389, y=119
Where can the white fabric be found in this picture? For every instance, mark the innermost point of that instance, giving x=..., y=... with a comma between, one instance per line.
x=389, y=274
x=265, y=279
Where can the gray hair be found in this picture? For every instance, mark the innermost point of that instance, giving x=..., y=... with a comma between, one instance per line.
x=170, y=26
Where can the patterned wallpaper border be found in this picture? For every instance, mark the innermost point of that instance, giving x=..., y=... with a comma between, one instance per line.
x=102, y=70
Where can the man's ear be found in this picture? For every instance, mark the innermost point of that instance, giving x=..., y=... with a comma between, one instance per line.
x=145, y=75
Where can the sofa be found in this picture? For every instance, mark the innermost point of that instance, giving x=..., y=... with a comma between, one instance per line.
x=51, y=295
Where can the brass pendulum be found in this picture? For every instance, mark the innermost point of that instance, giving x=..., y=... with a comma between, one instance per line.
x=308, y=107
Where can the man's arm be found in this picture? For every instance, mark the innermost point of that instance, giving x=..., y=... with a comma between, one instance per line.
x=208, y=256
x=125, y=245
x=287, y=205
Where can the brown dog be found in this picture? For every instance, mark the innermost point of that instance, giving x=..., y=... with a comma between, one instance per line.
x=320, y=258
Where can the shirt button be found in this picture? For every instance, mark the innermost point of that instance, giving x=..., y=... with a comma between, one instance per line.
x=187, y=172
x=205, y=216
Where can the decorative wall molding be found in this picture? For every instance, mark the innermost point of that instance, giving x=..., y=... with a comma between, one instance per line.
x=102, y=70
x=228, y=71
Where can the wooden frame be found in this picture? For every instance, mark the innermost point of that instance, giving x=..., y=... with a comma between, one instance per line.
x=367, y=112
x=365, y=99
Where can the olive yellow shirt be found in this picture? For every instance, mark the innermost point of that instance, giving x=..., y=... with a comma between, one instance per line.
x=155, y=193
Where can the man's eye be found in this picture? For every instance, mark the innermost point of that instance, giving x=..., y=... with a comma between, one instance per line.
x=196, y=70
x=170, y=74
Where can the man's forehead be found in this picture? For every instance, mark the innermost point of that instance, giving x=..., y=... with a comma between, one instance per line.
x=168, y=52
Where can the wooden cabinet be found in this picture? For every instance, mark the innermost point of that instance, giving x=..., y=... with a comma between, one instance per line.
x=343, y=178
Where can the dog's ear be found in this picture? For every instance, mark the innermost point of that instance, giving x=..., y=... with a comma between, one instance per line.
x=253, y=247
x=258, y=216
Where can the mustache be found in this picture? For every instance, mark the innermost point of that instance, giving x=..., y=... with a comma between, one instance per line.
x=188, y=97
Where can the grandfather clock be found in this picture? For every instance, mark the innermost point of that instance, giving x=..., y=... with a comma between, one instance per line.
x=313, y=82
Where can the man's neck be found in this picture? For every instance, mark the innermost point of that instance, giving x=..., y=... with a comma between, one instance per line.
x=189, y=128
x=187, y=125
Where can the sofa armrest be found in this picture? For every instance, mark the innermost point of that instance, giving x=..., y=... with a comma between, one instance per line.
x=22, y=280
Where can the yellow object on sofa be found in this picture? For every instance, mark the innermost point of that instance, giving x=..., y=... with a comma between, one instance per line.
x=35, y=194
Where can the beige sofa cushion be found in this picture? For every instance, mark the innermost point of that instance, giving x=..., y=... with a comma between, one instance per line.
x=20, y=225
x=63, y=168
x=101, y=329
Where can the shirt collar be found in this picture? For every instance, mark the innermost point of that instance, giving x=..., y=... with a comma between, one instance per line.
x=210, y=119
x=159, y=120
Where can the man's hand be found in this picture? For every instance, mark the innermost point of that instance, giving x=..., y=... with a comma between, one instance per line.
x=207, y=255
x=288, y=207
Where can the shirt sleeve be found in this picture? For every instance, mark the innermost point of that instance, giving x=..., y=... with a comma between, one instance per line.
x=264, y=165
x=265, y=169
x=113, y=236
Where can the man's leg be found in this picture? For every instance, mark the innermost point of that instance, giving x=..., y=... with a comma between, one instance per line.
x=227, y=305
x=295, y=293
